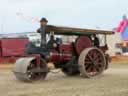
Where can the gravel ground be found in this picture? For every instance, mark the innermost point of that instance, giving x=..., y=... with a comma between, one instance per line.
x=114, y=82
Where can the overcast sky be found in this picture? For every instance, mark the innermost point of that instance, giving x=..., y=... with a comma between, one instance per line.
x=105, y=14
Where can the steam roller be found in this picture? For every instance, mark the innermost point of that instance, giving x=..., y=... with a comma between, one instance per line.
x=76, y=57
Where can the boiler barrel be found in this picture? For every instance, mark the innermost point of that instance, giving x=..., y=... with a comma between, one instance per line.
x=60, y=57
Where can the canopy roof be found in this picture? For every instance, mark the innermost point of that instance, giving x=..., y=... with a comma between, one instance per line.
x=75, y=31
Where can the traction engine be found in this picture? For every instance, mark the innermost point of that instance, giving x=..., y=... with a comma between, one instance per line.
x=80, y=57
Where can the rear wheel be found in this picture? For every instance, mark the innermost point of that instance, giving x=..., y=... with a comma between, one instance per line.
x=92, y=62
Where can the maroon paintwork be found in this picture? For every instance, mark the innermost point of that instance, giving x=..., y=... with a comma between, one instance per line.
x=64, y=53
x=82, y=43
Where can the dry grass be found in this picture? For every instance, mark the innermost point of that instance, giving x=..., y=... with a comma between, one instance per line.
x=120, y=60
x=114, y=82
x=6, y=66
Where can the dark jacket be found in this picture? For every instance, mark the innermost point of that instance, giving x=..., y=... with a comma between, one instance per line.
x=96, y=42
x=42, y=31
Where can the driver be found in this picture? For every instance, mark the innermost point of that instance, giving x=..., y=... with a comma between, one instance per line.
x=52, y=43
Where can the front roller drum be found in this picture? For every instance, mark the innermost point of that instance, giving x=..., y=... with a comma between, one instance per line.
x=27, y=70
x=91, y=62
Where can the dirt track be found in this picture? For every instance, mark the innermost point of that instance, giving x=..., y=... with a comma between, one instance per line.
x=114, y=82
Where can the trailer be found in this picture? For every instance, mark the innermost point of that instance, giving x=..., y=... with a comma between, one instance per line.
x=12, y=48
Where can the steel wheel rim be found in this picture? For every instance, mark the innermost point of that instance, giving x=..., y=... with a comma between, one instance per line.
x=92, y=62
x=95, y=65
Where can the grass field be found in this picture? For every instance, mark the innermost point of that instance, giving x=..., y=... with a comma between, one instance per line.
x=114, y=82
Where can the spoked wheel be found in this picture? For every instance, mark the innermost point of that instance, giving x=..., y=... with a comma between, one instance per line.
x=92, y=62
x=26, y=70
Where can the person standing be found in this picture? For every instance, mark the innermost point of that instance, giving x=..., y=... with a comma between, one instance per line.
x=42, y=31
x=96, y=41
